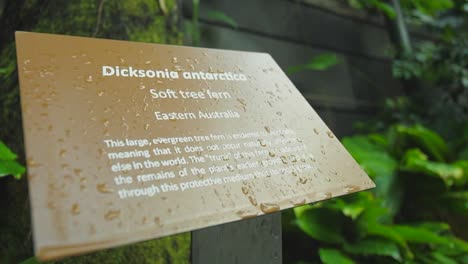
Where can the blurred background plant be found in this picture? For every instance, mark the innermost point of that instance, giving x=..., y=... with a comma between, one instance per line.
x=416, y=151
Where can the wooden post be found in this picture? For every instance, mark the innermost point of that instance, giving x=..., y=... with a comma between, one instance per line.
x=251, y=241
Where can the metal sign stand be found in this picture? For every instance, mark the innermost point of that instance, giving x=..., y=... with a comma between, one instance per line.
x=251, y=241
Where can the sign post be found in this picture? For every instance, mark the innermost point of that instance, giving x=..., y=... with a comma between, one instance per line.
x=127, y=142
x=252, y=241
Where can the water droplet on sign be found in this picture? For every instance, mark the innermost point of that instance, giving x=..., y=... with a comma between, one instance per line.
x=157, y=220
x=352, y=188
x=253, y=201
x=111, y=215
x=299, y=202
x=103, y=188
x=284, y=160
x=245, y=214
x=75, y=209
x=269, y=207
x=51, y=205
x=62, y=153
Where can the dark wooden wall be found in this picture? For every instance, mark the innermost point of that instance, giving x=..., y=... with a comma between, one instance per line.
x=293, y=32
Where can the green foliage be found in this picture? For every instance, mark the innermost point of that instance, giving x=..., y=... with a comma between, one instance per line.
x=441, y=64
x=421, y=177
x=31, y=260
x=192, y=28
x=8, y=163
x=374, y=246
x=135, y=20
x=371, y=153
x=416, y=161
x=333, y=256
x=173, y=249
x=321, y=62
x=397, y=221
x=421, y=7
x=222, y=17
x=322, y=224
x=380, y=5
x=428, y=7
x=403, y=137
x=372, y=156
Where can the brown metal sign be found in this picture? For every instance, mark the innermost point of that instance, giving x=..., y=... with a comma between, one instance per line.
x=131, y=141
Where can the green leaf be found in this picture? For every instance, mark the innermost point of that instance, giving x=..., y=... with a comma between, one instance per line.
x=352, y=210
x=11, y=167
x=387, y=9
x=163, y=7
x=403, y=137
x=322, y=224
x=442, y=259
x=371, y=154
x=321, y=62
x=463, y=164
x=8, y=165
x=390, y=234
x=374, y=246
x=435, y=227
x=428, y=7
x=354, y=204
x=299, y=210
x=416, y=161
x=222, y=17
x=373, y=158
x=374, y=213
x=6, y=153
x=194, y=26
x=355, y=3
x=334, y=256
x=420, y=235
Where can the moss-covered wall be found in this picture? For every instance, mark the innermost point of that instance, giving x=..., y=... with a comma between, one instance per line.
x=136, y=20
